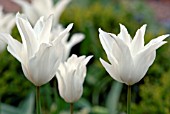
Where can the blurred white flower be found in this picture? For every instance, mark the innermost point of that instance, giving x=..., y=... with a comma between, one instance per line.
x=129, y=59
x=39, y=56
x=70, y=76
x=7, y=22
x=38, y=8
x=75, y=39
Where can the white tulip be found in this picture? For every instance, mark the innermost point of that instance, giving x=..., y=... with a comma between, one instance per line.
x=129, y=59
x=39, y=56
x=38, y=8
x=71, y=76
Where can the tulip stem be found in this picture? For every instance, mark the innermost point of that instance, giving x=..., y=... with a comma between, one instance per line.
x=38, y=103
x=71, y=108
x=129, y=99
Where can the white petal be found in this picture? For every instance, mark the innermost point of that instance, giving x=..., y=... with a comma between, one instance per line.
x=112, y=70
x=43, y=28
x=14, y=47
x=59, y=8
x=110, y=46
x=138, y=41
x=47, y=62
x=142, y=64
x=87, y=59
x=75, y=39
x=61, y=80
x=126, y=63
x=27, y=34
x=64, y=32
x=124, y=35
x=157, y=40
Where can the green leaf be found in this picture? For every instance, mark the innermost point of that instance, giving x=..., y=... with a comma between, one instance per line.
x=113, y=97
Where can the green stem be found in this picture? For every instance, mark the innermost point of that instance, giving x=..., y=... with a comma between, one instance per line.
x=71, y=108
x=38, y=103
x=129, y=100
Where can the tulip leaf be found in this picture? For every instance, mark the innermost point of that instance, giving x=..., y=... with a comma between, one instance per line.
x=113, y=97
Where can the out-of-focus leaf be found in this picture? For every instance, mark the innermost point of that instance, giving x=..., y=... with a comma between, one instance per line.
x=27, y=106
x=99, y=110
x=113, y=97
x=7, y=109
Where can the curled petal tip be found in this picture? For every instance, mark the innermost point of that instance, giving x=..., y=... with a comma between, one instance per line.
x=121, y=25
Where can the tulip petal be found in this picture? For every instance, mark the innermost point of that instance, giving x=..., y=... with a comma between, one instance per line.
x=138, y=41
x=64, y=32
x=142, y=64
x=109, y=45
x=46, y=63
x=61, y=79
x=75, y=39
x=43, y=28
x=124, y=35
x=112, y=70
x=125, y=62
x=59, y=8
x=14, y=47
x=157, y=40
x=27, y=34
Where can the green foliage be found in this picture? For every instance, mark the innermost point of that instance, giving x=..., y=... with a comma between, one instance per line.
x=155, y=96
x=25, y=107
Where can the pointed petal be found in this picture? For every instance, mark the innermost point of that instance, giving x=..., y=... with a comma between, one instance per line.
x=112, y=70
x=27, y=34
x=75, y=39
x=14, y=47
x=138, y=41
x=64, y=32
x=110, y=46
x=43, y=28
x=157, y=40
x=87, y=59
x=126, y=63
x=124, y=35
x=59, y=8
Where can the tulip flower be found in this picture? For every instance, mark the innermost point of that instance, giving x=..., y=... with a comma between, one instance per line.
x=70, y=76
x=129, y=58
x=75, y=39
x=38, y=8
x=6, y=24
x=39, y=56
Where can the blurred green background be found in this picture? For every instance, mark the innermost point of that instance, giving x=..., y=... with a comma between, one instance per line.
x=102, y=95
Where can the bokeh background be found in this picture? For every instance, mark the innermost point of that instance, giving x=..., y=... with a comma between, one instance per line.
x=102, y=95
